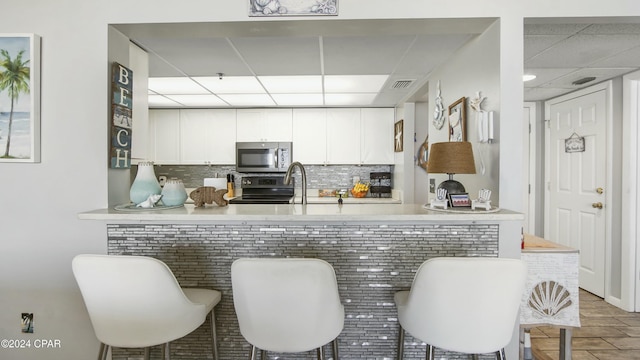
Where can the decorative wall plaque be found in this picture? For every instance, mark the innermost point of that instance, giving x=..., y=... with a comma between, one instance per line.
x=121, y=121
x=574, y=143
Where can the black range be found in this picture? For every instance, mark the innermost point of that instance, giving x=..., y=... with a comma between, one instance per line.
x=269, y=189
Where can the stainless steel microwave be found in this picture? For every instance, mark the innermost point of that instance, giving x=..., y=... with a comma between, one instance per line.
x=263, y=157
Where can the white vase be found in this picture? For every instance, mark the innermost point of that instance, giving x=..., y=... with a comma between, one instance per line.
x=145, y=183
x=174, y=193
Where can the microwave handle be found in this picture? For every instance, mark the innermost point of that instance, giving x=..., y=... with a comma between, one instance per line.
x=276, y=156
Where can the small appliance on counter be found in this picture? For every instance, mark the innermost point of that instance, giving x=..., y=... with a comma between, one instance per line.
x=380, y=184
x=263, y=157
x=269, y=189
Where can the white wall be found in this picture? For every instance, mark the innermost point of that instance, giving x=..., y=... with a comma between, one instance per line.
x=39, y=229
x=475, y=67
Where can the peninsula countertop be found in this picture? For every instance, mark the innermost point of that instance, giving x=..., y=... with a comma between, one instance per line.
x=298, y=212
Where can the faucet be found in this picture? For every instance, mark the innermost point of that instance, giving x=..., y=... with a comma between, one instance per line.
x=287, y=179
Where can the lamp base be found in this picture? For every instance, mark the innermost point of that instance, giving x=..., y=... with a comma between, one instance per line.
x=452, y=187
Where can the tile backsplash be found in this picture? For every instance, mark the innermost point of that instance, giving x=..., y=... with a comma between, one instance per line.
x=318, y=176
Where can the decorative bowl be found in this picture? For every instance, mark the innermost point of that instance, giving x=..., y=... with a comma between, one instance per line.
x=359, y=194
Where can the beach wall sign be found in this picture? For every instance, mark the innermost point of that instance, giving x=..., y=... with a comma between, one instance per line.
x=121, y=120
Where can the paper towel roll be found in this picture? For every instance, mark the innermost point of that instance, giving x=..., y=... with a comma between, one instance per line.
x=218, y=183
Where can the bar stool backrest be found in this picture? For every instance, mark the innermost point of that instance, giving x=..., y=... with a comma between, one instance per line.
x=286, y=305
x=135, y=301
x=467, y=305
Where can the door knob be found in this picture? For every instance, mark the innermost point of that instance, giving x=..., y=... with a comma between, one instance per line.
x=597, y=205
x=599, y=190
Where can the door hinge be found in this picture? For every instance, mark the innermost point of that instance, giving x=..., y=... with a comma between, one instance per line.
x=548, y=122
x=529, y=189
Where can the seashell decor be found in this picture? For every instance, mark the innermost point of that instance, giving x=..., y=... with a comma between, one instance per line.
x=548, y=298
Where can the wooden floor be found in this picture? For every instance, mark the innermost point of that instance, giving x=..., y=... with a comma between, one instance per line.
x=607, y=333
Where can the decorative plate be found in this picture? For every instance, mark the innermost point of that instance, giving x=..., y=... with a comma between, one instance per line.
x=133, y=207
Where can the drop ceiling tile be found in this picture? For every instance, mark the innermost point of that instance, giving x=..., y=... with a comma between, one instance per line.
x=364, y=55
x=292, y=84
x=175, y=85
x=280, y=55
x=239, y=100
x=599, y=74
x=350, y=99
x=582, y=50
x=231, y=84
x=535, y=44
x=197, y=56
x=298, y=99
x=608, y=29
x=198, y=100
x=553, y=29
x=428, y=52
x=541, y=94
x=354, y=83
x=161, y=101
x=628, y=58
x=544, y=76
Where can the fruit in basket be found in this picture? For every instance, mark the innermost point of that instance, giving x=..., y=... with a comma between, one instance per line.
x=360, y=189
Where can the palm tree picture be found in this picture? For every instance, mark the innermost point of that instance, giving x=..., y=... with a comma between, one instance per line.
x=17, y=113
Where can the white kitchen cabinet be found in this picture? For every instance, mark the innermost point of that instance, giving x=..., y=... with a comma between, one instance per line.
x=343, y=136
x=376, y=136
x=207, y=136
x=164, y=136
x=264, y=124
x=310, y=136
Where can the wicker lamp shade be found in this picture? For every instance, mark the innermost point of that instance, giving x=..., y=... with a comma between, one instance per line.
x=454, y=157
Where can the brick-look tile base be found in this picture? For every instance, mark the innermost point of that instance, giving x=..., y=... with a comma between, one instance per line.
x=372, y=262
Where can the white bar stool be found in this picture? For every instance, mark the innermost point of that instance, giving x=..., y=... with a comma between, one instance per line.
x=467, y=305
x=287, y=305
x=136, y=302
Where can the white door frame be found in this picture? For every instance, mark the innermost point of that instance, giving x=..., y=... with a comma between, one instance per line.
x=630, y=278
x=607, y=86
x=529, y=161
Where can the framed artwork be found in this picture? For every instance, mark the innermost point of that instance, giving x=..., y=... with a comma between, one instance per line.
x=398, y=137
x=20, y=98
x=292, y=7
x=457, y=120
x=459, y=200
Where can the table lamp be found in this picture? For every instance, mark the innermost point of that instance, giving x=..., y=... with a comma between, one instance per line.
x=455, y=157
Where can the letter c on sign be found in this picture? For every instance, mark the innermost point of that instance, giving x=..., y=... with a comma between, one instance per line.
x=122, y=132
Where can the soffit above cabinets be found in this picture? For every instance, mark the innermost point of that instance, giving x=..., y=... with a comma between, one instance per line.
x=384, y=53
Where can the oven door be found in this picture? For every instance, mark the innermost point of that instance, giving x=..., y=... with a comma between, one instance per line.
x=257, y=157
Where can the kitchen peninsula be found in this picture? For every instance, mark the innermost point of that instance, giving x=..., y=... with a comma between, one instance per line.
x=375, y=250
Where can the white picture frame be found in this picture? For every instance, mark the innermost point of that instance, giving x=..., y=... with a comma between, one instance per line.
x=20, y=100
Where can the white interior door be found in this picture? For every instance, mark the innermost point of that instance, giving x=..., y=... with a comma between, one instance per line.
x=576, y=182
x=529, y=170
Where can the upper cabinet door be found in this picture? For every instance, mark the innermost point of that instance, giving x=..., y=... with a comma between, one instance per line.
x=343, y=136
x=164, y=136
x=377, y=136
x=207, y=136
x=264, y=125
x=310, y=136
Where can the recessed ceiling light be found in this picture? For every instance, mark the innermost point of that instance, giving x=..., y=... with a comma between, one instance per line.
x=528, y=77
